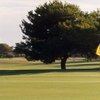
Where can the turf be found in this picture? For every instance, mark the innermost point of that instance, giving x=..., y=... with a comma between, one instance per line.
x=22, y=80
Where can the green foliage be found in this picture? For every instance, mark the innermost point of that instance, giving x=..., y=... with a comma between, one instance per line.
x=6, y=51
x=56, y=31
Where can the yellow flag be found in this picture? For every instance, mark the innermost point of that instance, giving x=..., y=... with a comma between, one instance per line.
x=98, y=50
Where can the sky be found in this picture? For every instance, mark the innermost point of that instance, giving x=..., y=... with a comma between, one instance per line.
x=12, y=12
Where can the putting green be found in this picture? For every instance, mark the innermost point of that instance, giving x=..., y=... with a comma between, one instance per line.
x=22, y=80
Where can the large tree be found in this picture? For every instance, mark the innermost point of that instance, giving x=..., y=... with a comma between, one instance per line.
x=56, y=30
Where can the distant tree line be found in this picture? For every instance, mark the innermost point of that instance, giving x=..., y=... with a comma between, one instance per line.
x=6, y=51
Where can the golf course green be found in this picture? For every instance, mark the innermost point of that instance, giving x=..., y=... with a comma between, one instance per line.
x=23, y=80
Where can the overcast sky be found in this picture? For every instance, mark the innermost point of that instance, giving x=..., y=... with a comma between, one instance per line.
x=13, y=11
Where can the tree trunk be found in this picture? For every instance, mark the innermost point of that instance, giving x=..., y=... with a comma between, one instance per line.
x=63, y=63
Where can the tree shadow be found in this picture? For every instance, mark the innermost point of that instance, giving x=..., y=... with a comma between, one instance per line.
x=40, y=71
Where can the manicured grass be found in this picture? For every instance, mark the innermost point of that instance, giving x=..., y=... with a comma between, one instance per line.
x=22, y=80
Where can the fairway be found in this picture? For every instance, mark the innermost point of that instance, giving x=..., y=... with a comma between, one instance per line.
x=22, y=80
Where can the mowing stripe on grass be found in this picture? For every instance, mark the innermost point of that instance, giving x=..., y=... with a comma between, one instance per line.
x=72, y=75
x=52, y=81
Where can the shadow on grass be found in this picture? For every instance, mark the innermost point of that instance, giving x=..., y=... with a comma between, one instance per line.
x=40, y=71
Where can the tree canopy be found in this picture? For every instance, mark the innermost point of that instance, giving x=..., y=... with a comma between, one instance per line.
x=56, y=30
